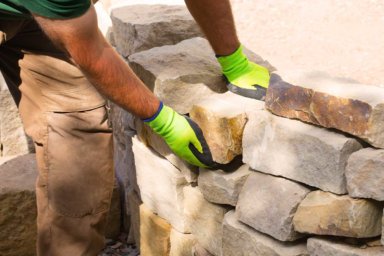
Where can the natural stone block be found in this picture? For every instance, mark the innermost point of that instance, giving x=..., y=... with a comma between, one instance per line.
x=321, y=247
x=223, y=187
x=268, y=204
x=338, y=216
x=298, y=151
x=161, y=186
x=134, y=203
x=365, y=174
x=333, y=103
x=181, y=244
x=154, y=234
x=198, y=250
x=222, y=118
x=141, y=27
x=241, y=240
x=180, y=75
x=18, y=206
x=205, y=220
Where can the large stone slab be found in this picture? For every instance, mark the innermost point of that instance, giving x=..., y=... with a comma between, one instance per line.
x=205, y=220
x=268, y=204
x=321, y=247
x=161, y=186
x=223, y=187
x=222, y=118
x=241, y=240
x=365, y=174
x=181, y=244
x=155, y=234
x=298, y=151
x=338, y=216
x=334, y=103
x=141, y=27
x=180, y=75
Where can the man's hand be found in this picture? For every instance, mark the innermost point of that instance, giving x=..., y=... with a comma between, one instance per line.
x=243, y=76
x=182, y=135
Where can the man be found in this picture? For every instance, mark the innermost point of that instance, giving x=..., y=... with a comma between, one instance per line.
x=59, y=69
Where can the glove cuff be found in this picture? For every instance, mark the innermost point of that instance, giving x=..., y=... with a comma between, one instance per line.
x=149, y=119
x=233, y=65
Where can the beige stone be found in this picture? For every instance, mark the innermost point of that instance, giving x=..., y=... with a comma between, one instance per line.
x=198, y=250
x=222, y=118
x=333, y=103
x=154, y=234
x=181, y=244
x=324, y=213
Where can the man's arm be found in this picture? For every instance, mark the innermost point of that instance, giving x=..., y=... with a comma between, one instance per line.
x=82, y=40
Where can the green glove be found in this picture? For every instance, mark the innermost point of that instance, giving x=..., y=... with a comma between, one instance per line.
x=182, y=135
x=243, y=76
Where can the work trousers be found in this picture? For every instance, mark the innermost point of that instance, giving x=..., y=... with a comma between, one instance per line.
x=67, y=120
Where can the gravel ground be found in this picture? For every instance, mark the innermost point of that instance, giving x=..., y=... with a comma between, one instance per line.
x=119, y=247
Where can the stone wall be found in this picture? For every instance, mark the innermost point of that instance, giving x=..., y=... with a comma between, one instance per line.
x=305, y=168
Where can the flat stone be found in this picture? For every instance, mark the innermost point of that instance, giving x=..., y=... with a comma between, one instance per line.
x=365, y=174
x=333, y=103
x=321, y=247
x=239, y=239
x=268, y=204
x=298, y=151
x=205, y=220
x=154, y=233
x=222, y=187
x=338, y=216
x=141, y=27
x=161, y=186
x=181, y=244
x=222, y=118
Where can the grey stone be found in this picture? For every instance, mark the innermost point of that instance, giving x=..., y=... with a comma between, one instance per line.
x=365, y=174
x=298, y=151
x=268, y=204
x=222, y=187
x=322, y=247
x=338, y=216
x=241, y=240
x=141, y=27
x=181, y=244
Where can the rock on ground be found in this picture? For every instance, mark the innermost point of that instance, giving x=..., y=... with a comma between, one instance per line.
x=181, y=244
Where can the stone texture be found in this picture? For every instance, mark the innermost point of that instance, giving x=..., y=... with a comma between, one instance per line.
x=141, y=27
x=18, y=206
x=241, y=240
x=154, y=234
x=205, y=220
x=222, y=118
x=321, y=247
x=181, y=244
x=365, y=174
x=338, y=216
x=333, y=103
x=268, y=204
x=198, y=250
x=298, y=151
x=134, y=203
x=161, y=186
x=222, y=187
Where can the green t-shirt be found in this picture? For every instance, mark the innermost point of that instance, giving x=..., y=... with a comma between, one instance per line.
x=55, y=9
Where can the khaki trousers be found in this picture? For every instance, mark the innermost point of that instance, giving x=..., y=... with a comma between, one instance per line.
x=67, y=120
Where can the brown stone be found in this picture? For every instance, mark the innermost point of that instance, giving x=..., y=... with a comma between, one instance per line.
x=330, y=102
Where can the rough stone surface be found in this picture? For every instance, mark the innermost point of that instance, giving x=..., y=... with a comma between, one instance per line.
x=141, y=27
x=333, y=103
x=268, y=204
x=18, y=206
x=198, y=250
x=221, y=187
x=161, y=186
x=205, y=220
x=154, y=234
x=322, y=247
x=298, y=151
x=181, y=244
x=365, y=174
x=338, y=216
x=241, y=240
x=222, y=118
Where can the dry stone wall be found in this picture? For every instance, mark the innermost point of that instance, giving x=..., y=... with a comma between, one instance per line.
x=302, y=189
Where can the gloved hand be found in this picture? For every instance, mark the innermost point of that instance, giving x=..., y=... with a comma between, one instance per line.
x=243, y=76
x=182, y=135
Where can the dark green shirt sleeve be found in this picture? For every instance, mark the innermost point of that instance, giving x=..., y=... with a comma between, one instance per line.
x=57, y=9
